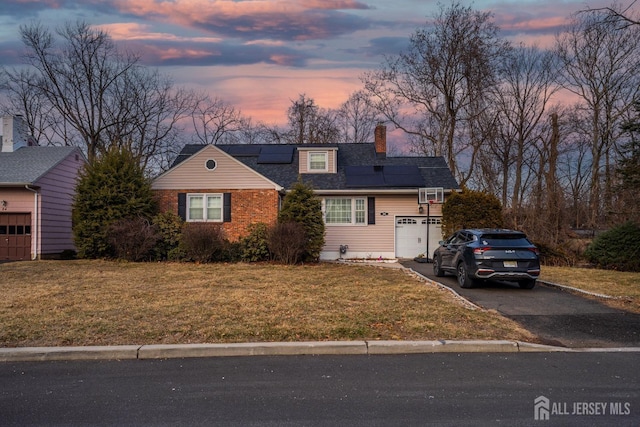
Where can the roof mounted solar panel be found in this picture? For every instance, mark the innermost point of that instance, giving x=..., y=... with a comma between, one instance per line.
x=247, y=150
x=403, y=176
x=364, y=176
x=276, y=154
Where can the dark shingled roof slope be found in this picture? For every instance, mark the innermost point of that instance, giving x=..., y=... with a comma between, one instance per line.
x=432, y=170
x=28, y=164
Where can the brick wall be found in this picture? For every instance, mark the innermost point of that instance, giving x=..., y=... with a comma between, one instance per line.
x=247, y=207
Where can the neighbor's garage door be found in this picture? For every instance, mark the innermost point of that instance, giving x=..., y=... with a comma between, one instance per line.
x=411, y=236
x=15, y=236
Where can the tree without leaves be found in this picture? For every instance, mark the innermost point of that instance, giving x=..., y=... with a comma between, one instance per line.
x=357, y=118
x=95, y=96
x=527, y=82
x=443, y=78
x=600, y=64
x=214, y=120
x=310, y=124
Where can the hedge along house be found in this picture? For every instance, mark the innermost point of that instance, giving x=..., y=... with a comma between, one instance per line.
x=374, y=206
x=37, y=186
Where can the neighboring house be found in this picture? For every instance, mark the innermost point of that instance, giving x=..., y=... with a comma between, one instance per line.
x=374, y=206
x=37, y=186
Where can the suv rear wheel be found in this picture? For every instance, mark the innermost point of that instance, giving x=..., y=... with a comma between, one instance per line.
x=527, y=284
x=464, y=280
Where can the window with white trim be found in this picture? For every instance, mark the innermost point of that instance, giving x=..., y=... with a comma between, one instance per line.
x=345, y=211
x=318, y=161
x=204, y=207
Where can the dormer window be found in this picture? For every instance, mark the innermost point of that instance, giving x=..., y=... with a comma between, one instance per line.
x=318, y=161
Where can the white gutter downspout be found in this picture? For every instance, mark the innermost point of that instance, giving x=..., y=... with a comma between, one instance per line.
x=34, y=255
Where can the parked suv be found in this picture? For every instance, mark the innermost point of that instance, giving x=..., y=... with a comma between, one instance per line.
x=479, y=254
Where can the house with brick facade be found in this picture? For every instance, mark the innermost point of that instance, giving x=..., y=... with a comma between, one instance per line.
x=37, y=187
x=374, y=205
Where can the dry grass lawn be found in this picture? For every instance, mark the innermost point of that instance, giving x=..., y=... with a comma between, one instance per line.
x=51, y=303
x=624, y=286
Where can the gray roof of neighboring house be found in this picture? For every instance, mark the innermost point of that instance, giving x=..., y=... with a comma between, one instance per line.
x=28, y=164
x=352, y=159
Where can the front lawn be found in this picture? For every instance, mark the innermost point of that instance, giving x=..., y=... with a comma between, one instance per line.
x=51, y=303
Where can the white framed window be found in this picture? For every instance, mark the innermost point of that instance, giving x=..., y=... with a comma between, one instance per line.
x=345, y=211
x=318, y=161
x=204, y=207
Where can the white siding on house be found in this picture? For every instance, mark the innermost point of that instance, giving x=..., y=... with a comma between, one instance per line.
x=364, y=238
x=229, y=174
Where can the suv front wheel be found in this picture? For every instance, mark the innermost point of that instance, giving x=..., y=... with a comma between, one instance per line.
x=437, y=267
x=464, y=280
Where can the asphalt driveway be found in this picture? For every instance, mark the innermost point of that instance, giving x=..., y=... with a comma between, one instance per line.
x=556, y=316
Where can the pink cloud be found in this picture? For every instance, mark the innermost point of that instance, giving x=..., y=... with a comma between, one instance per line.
x=275, y=19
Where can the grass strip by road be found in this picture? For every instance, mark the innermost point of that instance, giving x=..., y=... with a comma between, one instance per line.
x=623, y=286
x=81, y=302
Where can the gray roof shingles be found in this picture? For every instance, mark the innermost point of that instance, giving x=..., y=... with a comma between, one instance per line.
x=28, y=164
x=433, y=170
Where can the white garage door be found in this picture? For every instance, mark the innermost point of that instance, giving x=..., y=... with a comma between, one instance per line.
x=411, y=236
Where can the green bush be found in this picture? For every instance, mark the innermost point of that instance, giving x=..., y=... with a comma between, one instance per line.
x=300, y=205
x=471, y=209
x=169, y=228
x=616, y=249
x=255, y=246
x=111, y=188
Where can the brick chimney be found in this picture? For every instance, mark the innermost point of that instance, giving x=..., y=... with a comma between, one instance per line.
x=381, y=141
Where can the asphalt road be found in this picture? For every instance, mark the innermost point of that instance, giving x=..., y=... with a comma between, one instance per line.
x=466, y=389
x=557, y=317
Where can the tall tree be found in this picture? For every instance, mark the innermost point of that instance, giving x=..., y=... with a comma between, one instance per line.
x=436, y=90
x=94, y=95
x=357, y=118
x=527, y=82
x=310, y=124
x=214, y=120
x=600, y=61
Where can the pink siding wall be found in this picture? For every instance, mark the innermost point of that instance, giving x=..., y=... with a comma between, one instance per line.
x=57, y=191
x=21, y=200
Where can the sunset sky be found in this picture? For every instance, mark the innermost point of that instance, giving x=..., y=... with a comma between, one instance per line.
x=258, y=55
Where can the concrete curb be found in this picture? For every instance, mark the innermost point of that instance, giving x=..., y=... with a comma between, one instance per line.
x=161, y=351
x=578, y=290
x=41, y=354
x=252, y=349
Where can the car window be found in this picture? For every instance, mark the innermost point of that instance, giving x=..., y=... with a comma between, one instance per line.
x=504, y=240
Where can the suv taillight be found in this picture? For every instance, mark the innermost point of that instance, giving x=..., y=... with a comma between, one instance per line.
x=481, y=251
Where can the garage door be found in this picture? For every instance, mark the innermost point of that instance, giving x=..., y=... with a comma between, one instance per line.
x=411, y=235
x=15, y=236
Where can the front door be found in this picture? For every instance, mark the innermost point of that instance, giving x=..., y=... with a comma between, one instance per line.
x=15, y=236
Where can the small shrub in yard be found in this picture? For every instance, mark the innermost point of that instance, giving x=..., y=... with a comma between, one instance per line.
x=202, y=242
x=302, y=206
x=133, y=239
x=617, y=249
x=255, y=246
x=287, y=242
x=169, y=228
